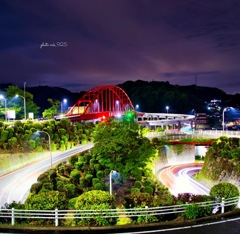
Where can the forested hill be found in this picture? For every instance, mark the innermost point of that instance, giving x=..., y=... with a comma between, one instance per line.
x=151, y=96
x=155, y=96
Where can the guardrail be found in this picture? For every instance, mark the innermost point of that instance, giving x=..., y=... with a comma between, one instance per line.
x=171, y=135
x=11, y=215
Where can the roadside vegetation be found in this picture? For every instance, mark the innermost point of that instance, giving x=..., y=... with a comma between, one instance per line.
x=27, y=137
x=222, y=161
x=83, y=182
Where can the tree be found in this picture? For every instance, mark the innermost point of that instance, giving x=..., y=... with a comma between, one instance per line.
x=11, y=92
x=122, y=148
x=50, y=112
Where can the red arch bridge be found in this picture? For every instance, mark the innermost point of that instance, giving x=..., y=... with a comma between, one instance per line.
x=103, y=102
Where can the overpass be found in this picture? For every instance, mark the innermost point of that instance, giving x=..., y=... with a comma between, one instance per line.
x=103, y=102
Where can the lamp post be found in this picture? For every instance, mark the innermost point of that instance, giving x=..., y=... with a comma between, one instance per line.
x=49, y=143
x=5, y=105
x=62, y=103
x=223, y=122
x=24, y=99
x=24, y=104
x=167, y=108
x=110, y=181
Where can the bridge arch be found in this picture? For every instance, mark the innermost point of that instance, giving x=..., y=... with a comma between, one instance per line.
x=99, y=103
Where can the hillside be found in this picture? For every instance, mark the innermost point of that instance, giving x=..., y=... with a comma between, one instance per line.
x=222, y=162
x=155, y=96
x=151, y=96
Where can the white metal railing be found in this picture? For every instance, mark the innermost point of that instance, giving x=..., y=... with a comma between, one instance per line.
x=195, y=134
x=11, y=215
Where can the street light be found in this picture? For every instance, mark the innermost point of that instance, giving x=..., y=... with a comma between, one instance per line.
x=223, y=123
x=5, y=105
x=167, y=108
x=110, y=181
x=62, y=103
x=24, y=92
x=49, y=143
x=24, y=104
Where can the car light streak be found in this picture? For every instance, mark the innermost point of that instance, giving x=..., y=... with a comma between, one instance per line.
x=15, y=186
x=178, y=179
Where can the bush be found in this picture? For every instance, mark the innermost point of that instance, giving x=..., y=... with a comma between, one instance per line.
x=75, y=175
x=44, y=177
x=194, y=211
x=137, y=184
x=138, y=200
x=148, y=189
x=71, y=190
x=71, y=203
x=100, y=174
x=47, y=186
x=35, y=188
x=73, y=159
x=46, y=201
x=224, y=189
x=95, y=200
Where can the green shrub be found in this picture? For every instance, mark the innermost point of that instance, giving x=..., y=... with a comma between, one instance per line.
x=89, y=177
x=71, y=203
x=224, y=189
x=44, y=177
x=98, y=186
x=46, y=201
x=95, y=181
x=39, y=148
x=100, y=174
x=62, y=146
x=75, y=175
x=138, y=200
x=53, y=147
x=194, y=211
x=96, y=200
x=32, y=144
x=71, y=190
x=60, y=186
x=148, y=189
x=135, y=190
x=73, y=159
x=47, y=186
x=35, y=188
x=138, y=184
x=191, y=211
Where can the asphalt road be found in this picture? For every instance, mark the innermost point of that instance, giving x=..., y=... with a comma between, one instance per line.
x=15, y=186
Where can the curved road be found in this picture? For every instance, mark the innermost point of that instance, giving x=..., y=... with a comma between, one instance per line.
x=178, y=179
x=15, y=186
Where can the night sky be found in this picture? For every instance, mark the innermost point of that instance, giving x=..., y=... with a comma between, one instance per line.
x=80, y=44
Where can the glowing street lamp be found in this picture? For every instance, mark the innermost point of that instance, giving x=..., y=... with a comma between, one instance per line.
x=62, y=103
x=49, y=143
x=110, y=181
x=167, y=108
x=223, y=117
x=24, y=104
x=5, y=105
x=223, y=123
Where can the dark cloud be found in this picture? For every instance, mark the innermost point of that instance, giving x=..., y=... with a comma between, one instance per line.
x=109, y=42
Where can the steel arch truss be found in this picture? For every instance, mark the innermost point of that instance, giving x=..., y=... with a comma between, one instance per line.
x=101, y=102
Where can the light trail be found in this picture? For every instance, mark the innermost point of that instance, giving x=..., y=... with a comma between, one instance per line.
x=15, y=186
x=178, y=179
